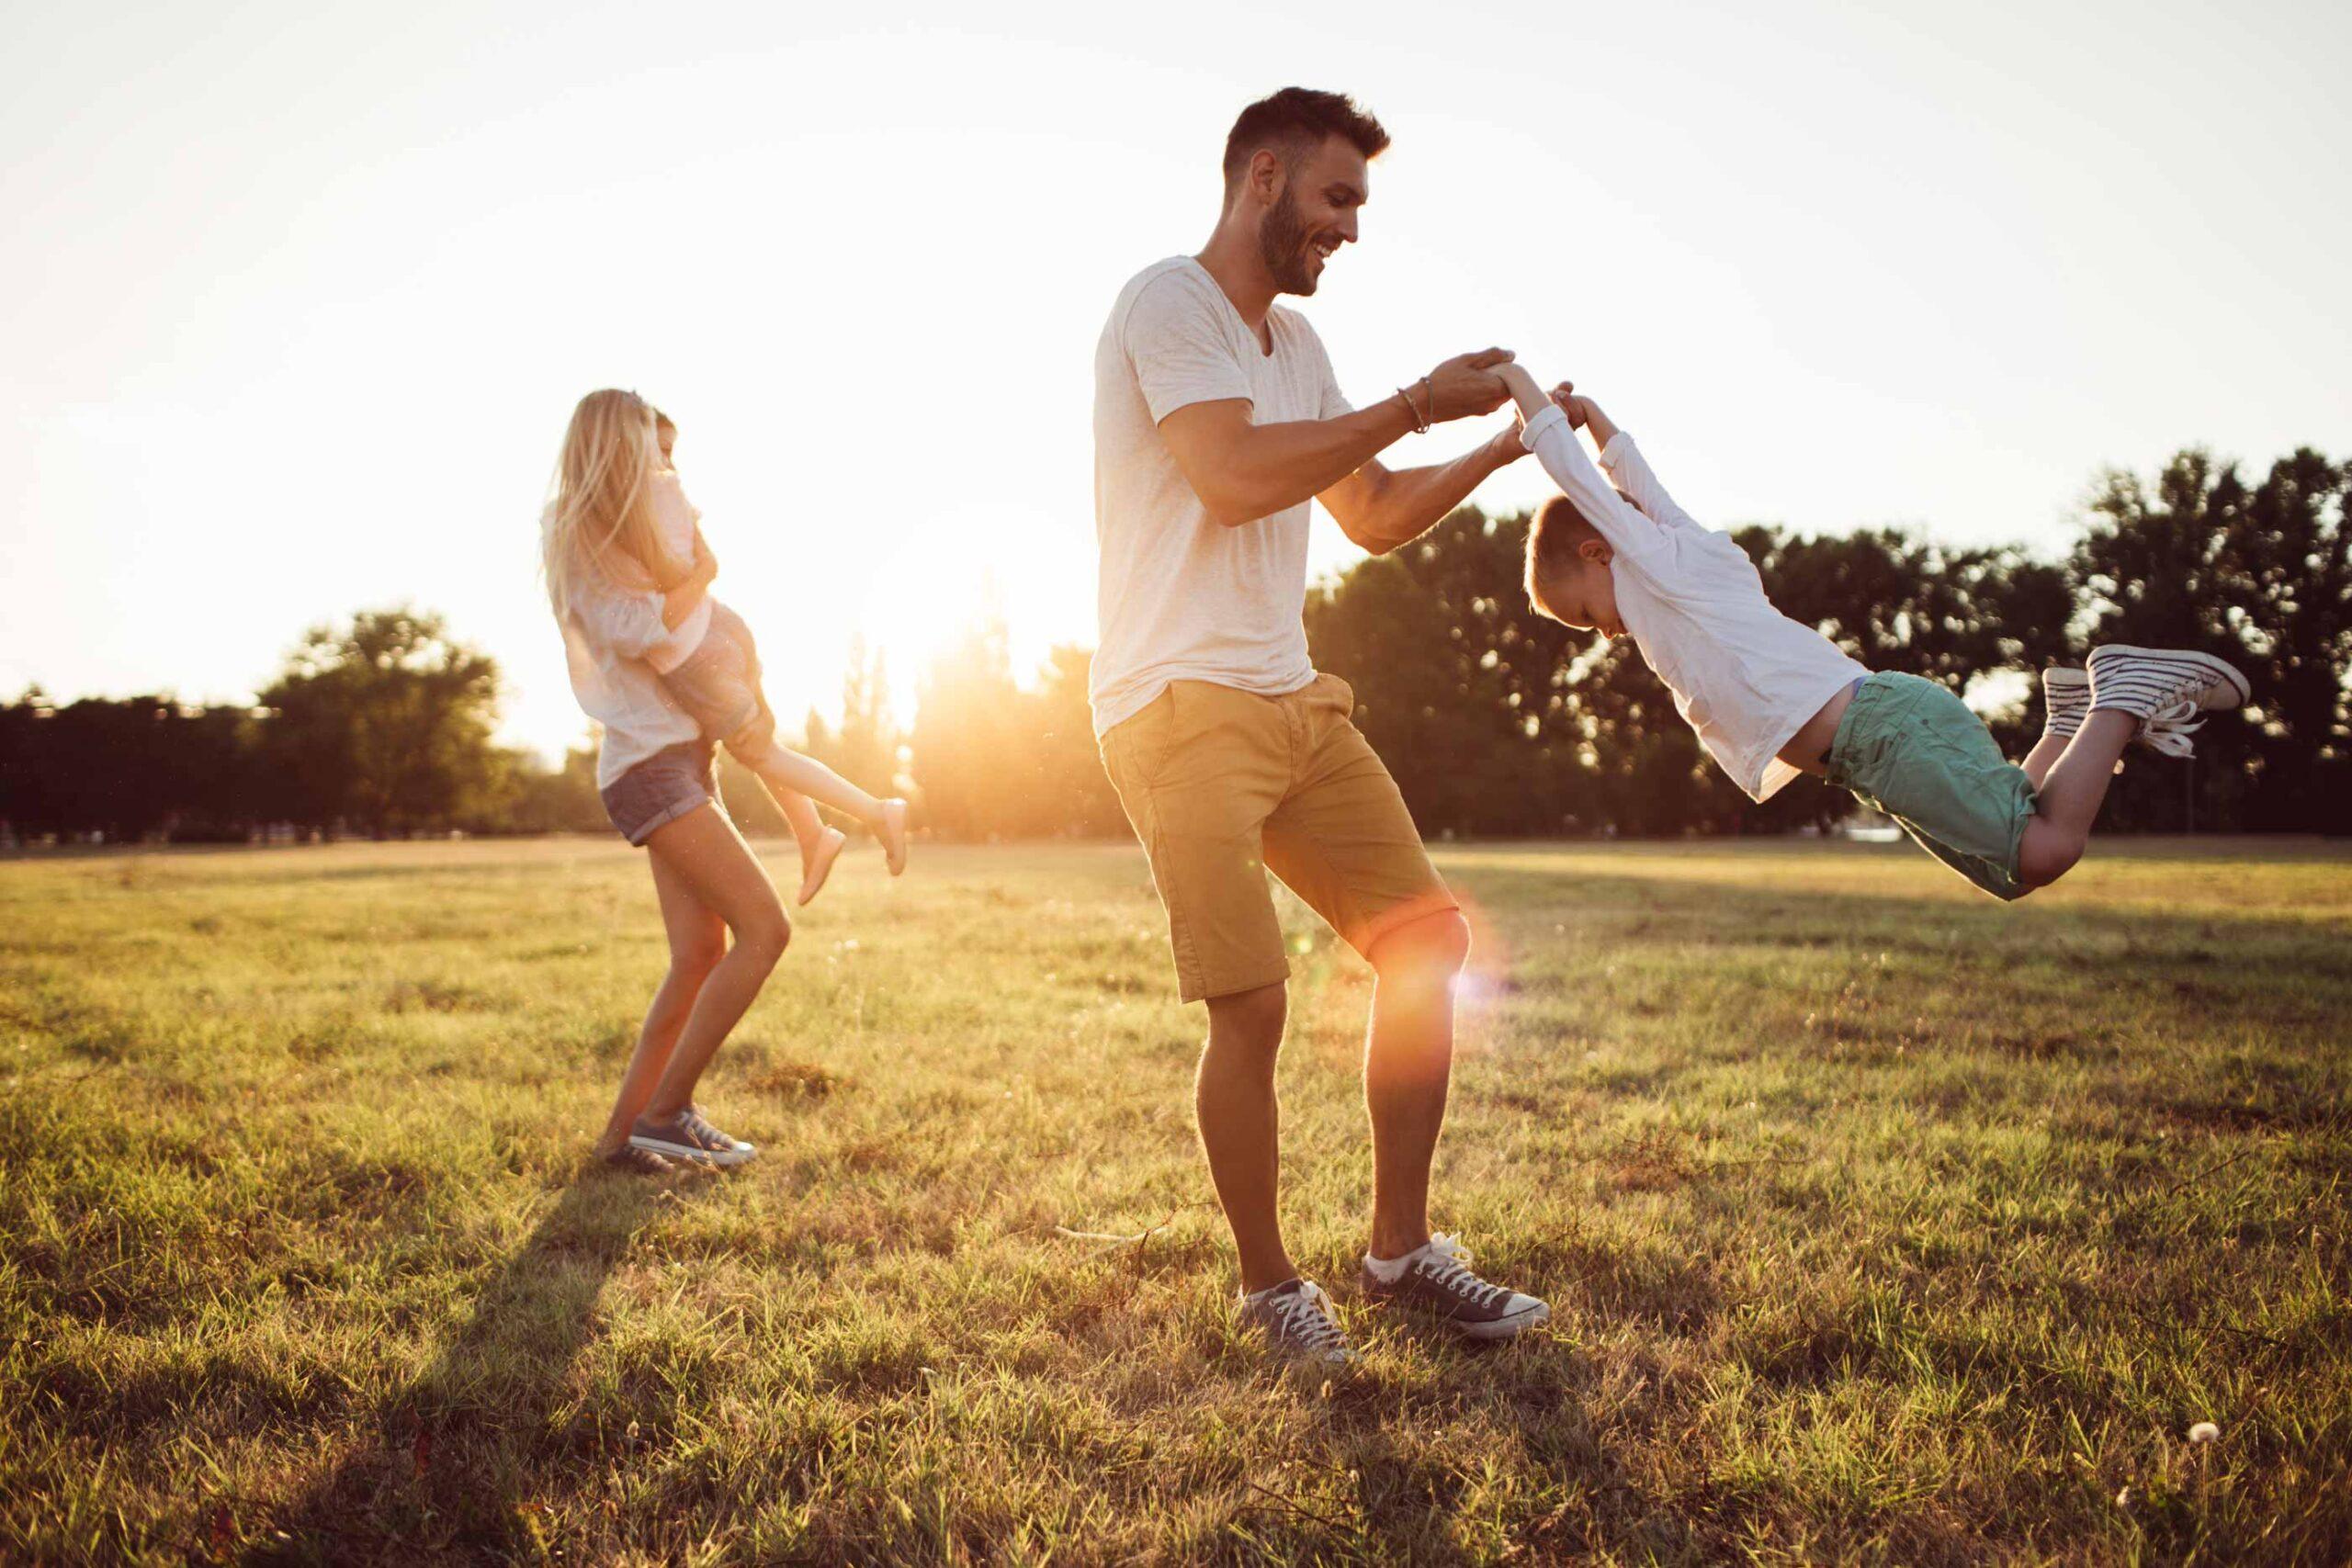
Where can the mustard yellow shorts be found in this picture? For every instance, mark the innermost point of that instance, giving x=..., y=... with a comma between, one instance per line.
x=1224, y=786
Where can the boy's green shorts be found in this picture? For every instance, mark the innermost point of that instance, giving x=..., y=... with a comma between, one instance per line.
x=1909, y=747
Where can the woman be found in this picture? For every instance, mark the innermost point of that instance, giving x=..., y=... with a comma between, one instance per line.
x=657, y=775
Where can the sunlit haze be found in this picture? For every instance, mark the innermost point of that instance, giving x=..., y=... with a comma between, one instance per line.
x=295, y=301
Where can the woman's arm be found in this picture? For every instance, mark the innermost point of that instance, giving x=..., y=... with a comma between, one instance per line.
x=679, y=600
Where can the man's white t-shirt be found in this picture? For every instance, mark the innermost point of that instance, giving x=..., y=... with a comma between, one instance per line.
x=1181, y=596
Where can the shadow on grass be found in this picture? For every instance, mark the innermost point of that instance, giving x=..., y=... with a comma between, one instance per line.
x=449, y=1472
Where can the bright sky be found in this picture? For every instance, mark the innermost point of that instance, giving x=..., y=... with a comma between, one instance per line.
x=294, y=302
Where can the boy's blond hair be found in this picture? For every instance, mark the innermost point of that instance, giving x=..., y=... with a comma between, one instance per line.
x=1557, y=529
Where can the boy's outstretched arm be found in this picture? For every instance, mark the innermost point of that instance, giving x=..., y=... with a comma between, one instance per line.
x=1621, y=460
x=1547, y=433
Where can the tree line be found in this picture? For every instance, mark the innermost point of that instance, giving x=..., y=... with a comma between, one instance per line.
x=1494, y=721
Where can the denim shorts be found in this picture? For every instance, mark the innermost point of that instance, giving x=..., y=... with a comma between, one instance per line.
x=719, y=684
x=662, y=788
x=1909, y=747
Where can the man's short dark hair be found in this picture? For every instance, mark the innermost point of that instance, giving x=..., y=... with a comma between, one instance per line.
x=1294, y=122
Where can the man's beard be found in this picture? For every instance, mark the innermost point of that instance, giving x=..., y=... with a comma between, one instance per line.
x=1281, y=246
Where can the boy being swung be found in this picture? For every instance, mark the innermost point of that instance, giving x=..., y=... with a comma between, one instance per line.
x=1772, y=698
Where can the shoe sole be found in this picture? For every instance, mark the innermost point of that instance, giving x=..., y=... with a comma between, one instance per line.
x=694, y=1152
x=814, y=882
x=2220, y=670
x=1498, y=1328
x=1505, y=1327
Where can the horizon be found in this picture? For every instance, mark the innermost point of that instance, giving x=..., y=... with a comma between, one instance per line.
x=273, y=366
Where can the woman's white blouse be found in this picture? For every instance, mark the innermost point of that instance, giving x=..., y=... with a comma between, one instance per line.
x=606, y=640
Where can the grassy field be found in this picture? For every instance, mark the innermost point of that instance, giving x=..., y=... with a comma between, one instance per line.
x=1880, y=1222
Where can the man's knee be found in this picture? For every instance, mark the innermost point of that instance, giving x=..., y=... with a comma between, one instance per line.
x=1435, y=944
x=1250, y=1019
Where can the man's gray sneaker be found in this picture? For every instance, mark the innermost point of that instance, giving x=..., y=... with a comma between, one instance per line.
x=1297, y=1319
x=688, y=1136
x=1435, y=1278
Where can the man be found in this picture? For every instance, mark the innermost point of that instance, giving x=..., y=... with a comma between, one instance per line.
x=1216, y=420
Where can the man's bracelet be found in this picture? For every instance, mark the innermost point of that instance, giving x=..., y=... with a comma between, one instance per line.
x=1420, y=421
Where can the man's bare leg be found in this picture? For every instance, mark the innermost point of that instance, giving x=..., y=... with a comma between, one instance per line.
x=1408, y=1061
x=1241, y=1123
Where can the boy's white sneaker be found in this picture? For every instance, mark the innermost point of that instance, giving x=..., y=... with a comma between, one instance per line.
x=2065, y=700
x=2165, y=689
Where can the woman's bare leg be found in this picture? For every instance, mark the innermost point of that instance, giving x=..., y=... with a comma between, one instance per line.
x=698, y=942
x=708, y=857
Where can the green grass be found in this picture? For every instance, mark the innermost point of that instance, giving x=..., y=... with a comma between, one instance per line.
x=1880, y=1222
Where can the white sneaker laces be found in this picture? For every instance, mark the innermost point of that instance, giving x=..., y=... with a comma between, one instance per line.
x=2168, y=729
x=1308, y=1318
x=1447, y=1266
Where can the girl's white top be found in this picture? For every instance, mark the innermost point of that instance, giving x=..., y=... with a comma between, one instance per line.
x=606, y=640
x=1743, y=675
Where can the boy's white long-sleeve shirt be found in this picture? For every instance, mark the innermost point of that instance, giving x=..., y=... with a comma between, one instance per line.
x=1743, y=675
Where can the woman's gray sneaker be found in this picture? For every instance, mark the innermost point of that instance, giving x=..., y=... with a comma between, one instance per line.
x=633, y=1161
x=1436, y=1279
x=1297, y=1319
x=688, y=1136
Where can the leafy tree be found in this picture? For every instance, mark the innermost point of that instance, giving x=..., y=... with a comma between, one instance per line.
x=2260, y=578
x=384, y=723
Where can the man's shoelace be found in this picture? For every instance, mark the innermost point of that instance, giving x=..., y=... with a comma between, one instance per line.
x=1447, y=1266
x=1308, y=1318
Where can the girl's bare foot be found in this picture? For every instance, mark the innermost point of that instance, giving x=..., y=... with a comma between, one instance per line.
x=818, y=863
x=892, y=832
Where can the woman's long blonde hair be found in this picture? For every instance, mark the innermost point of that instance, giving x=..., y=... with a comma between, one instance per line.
x=599, y=514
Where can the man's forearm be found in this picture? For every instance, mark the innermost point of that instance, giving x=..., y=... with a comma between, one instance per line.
x=1408, y=502
x=1270, y=468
